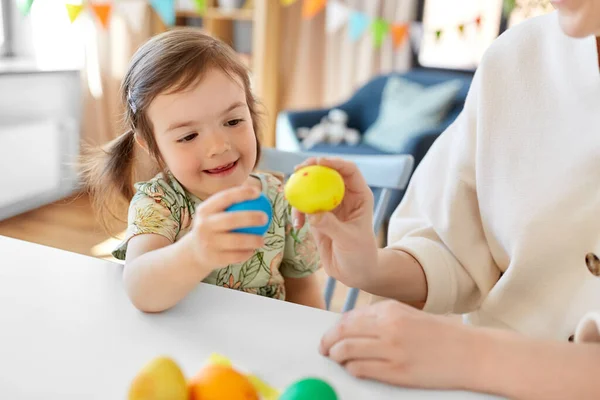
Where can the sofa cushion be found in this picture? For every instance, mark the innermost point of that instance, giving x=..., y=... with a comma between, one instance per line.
x=409, y=109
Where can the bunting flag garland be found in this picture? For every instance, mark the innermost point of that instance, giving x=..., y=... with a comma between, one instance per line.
x=24, y=6
x=102, y=12
x=201, y=6
x=73, y=10
x=359, y=23
x=380, y=28
x=337, y=15
x=133, y=11
x=310, y=8
x=399, y=34
x=165, y=9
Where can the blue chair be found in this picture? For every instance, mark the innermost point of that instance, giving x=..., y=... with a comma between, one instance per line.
x=363, y=110
x=398, y=169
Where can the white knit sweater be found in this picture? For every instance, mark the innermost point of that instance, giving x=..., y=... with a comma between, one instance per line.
x=505, y=206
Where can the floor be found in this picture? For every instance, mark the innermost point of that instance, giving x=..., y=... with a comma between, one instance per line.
x=70, y=225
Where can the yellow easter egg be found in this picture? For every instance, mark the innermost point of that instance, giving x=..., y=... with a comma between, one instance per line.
x=315, y=189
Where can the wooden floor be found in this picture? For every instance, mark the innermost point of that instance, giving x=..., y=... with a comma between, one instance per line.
x=70, y=225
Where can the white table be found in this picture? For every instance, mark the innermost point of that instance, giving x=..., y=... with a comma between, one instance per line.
x=68, y=331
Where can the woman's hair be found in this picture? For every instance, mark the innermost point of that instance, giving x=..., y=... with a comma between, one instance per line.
x=168, y=63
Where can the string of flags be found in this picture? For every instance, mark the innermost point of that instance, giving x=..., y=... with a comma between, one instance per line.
x=339, y=14
x=103, y=10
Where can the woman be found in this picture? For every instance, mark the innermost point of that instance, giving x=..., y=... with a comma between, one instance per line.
x=501, y=222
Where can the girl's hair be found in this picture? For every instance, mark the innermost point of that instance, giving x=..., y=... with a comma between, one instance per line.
x=168, y=63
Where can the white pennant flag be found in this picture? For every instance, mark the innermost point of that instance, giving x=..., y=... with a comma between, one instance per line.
x=134, y=13
x=337, y=14
x=416, y=35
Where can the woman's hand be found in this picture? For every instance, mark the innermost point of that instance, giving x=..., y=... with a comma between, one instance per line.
x=211, y=240
x=344, y=236
x=397, y=344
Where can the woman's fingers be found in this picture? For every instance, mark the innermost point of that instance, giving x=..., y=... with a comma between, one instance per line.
x=359, y=348
x=298, y=219
x=379, y=370
x=354, y=324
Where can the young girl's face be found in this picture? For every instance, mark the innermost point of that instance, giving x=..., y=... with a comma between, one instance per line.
x=579, y=18
x=205, y=134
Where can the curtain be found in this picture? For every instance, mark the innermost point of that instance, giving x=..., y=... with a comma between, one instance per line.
x=107, y=55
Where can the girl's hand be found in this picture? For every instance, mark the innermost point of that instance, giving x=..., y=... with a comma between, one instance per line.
x=344, y=236
x=397, y=344
x=212, y=243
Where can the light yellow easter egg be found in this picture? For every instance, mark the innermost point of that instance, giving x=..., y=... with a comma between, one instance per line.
x=315, y=189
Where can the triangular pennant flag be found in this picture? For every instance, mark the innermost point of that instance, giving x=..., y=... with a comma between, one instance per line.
x=74, y=10
x=310, y=8
x=200, y=6
x=478, y=21
x=359, y=23
x=416, y=35
x=337, y=15
x=133, y=12
x=102, y=11
x=399, y=33
x=380, y=28
x=438, y=34
x=25, y=6
x=165, y=9
x=287, y=2
x=461, y=29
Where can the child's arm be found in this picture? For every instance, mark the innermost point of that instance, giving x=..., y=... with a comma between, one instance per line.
x=159, y=274
x=306, y=291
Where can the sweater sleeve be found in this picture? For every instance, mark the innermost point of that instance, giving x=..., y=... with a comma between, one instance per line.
x=439, y=223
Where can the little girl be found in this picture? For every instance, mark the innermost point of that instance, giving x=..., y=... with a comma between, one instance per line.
x=188, y=104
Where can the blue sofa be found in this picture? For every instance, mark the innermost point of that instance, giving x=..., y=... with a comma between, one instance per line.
x=363, y=110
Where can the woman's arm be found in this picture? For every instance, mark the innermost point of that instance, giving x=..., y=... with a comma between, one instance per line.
x=305, y=291
x=519, y=367
x=397, y=276
x=396, y=344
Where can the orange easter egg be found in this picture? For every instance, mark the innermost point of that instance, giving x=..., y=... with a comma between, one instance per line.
x=220, y=382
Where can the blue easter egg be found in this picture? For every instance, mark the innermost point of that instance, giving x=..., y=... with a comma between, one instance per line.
x=261, y=203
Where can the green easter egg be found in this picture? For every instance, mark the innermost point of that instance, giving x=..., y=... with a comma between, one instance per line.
x=309, y=389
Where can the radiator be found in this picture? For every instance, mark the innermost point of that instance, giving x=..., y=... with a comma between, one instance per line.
x=36, y=163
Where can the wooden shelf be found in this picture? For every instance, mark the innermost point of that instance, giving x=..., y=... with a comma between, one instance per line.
x=217, y=13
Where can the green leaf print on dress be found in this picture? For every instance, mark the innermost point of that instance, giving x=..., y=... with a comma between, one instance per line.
x=274, y=242
x=251, y=268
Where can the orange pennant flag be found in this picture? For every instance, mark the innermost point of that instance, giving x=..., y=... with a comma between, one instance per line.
x=102, y=11
x=399, y=33
x=310, y=8
x=74, y=10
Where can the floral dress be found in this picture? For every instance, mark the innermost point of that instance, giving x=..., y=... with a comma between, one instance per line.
x=163, y=207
